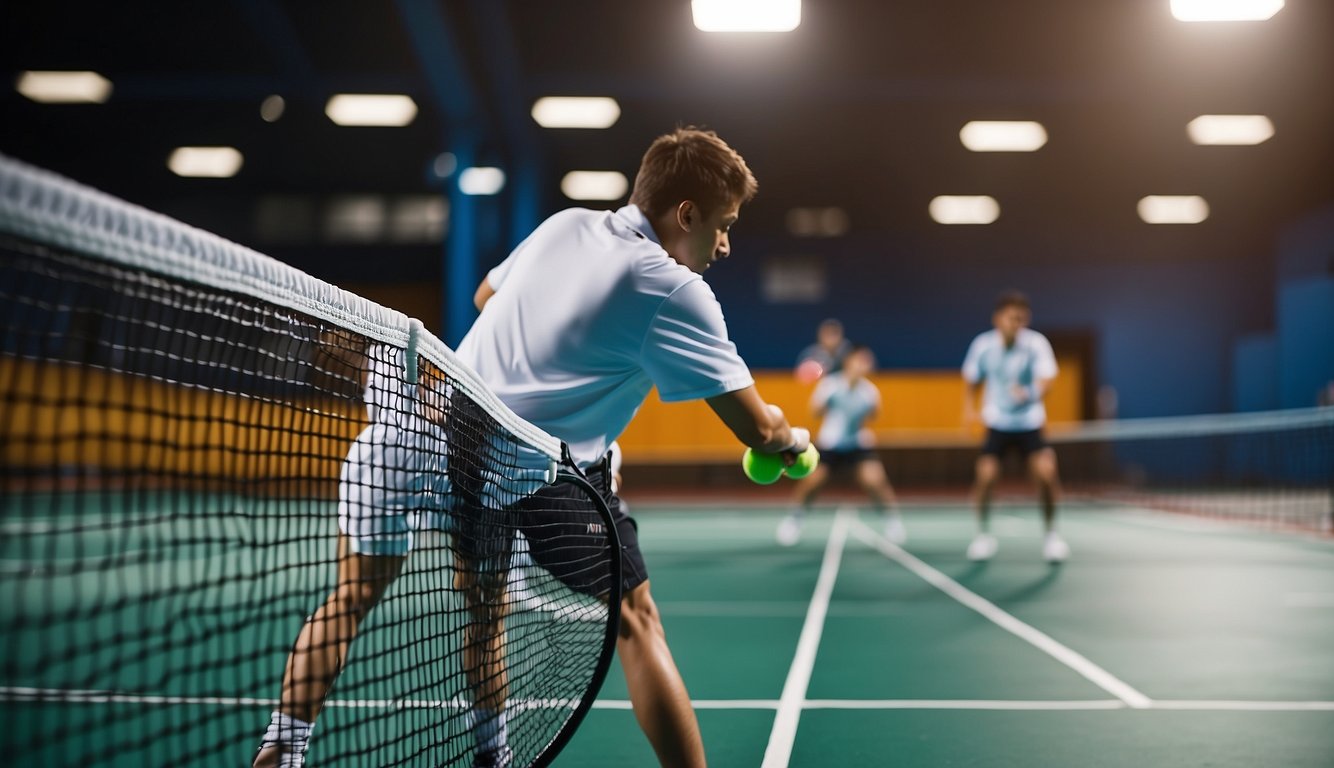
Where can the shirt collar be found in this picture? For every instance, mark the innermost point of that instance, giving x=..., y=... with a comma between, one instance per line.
x=636, y=219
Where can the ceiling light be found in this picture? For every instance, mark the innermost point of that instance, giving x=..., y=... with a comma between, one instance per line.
x=964, y=209
x=594, y=185
x=382, y=109
x=272, y=108
x=1225, y=10
x=1173, y=209
x=746, y=15
x=817, y=222
x=205, y=162
x=481, y=181
x=576, y=111
x=64, y=87
x=1003, y=135
x=1230, y=129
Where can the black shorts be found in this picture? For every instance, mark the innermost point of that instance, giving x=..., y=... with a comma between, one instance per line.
x=562, y=540
x=846, y=459
x=1026, y=443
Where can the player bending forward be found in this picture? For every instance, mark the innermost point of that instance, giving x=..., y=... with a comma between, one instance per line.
x=1016, y=366
x=846, y=400
x=577, y=324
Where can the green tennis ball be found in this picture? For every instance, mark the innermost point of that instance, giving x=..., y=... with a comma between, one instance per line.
x=805, y=463
x=762, y=468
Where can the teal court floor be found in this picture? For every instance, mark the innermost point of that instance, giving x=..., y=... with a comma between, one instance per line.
x=1166, y=640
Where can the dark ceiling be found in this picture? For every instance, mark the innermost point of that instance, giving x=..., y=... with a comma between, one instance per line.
x=860, y=107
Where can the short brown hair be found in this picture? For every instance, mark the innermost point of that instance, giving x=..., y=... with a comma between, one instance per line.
x=1013, y=299
x=691, y=164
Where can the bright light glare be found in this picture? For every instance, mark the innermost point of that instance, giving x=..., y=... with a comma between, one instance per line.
x=1173, y=209
x=64, y=87
x=1225, y=10
x=1003, y=135
x=817, y=222
x=594, y=185
x=481, y=181
x=382, y=109
x=964, y=209
x=205, y=162
x=1230, y=129
x=746, y=15
x=576, y=111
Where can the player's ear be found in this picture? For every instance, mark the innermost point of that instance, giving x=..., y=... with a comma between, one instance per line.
x=686, y=213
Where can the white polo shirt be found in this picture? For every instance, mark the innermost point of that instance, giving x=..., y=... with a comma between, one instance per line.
x=847, y=407
x=1029, y=360
x=589, y=314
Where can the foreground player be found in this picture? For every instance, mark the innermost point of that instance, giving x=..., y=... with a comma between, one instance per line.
x=846, y=401
x=577, y=324
x=1016, y=366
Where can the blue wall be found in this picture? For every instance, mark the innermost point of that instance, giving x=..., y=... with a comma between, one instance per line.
x=1163, y=324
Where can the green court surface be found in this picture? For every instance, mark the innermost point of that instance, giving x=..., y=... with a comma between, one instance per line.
x=1166, y=640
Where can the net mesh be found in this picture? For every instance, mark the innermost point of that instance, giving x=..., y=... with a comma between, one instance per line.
x=187, y=427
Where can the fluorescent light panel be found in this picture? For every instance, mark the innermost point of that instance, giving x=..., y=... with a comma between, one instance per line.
x=64, y=87
x=481, y=180
x=746, y=15
x=1225, y=10
x=818, y=222
x=1173, y=209
x=371, y=109
x=964, y=209
x=594, y=185
x=1003, y=135
x=576, y=111
x=205, y=162
x=1230, y=129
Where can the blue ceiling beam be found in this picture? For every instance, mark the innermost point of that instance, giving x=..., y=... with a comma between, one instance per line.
x=436, y=45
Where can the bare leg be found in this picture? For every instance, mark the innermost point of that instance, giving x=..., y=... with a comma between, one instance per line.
x=661, y=703
x=1042, y=465
x=872, y=478
x=321, y=647
x=809, y=487
x=988, y=467
x=484, y=643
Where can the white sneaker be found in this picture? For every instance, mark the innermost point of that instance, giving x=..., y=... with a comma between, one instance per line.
x=894, y=530
x=789, y=531
x=1054, y=548
x=984, y=547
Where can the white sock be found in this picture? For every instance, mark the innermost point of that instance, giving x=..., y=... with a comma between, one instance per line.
x=488, y=729
x=290, y=732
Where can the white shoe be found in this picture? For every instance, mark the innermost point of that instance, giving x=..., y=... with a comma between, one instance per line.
x=1054, y=548
x=984, y=547
x=789, y=531
x=894, y=530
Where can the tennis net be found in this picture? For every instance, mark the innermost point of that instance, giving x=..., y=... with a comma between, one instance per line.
x=187, y=426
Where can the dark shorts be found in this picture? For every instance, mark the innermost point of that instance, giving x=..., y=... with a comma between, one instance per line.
x=846, y=459
x=564, y=534
x=998, y=442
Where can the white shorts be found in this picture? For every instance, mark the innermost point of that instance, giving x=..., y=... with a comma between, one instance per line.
x=395, y=481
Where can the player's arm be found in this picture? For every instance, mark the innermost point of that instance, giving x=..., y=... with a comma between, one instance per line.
x=483, y=294
x=757, y=424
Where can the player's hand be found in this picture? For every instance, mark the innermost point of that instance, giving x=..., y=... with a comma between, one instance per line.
x=801, y=440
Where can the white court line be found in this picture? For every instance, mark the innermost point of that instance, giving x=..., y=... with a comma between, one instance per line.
x=54, y=695
x=779, y=751
x=1043, y=642
x=1309, y=600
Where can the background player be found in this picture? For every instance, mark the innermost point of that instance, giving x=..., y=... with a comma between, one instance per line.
x=825, y=355
x=846, y=401
x=1014, y=366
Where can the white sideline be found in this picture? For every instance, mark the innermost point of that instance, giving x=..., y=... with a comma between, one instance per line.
x=1038, y=639
x=790, y=705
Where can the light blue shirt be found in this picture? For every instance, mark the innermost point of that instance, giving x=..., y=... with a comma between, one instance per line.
x=1025, y=363
x=847, y=408
x=589, y=314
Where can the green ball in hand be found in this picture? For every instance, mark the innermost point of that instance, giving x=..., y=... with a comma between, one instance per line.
x=762, y=468
x=805, y=463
